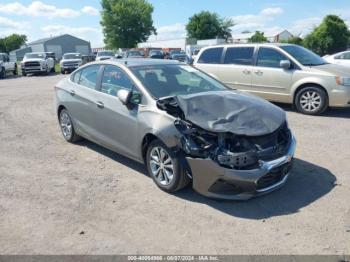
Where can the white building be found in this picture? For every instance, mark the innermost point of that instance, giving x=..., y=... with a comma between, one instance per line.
x=273, y=38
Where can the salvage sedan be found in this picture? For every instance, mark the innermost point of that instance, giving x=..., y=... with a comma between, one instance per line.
x=183, y=124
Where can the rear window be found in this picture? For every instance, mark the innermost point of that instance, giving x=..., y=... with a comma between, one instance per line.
x=239, y=55
x=211, y=56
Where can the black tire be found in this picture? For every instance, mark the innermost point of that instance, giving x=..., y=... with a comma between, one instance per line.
x=72, y=137
x=321, y=99
x=62, y=72
x=53, y=70
x=179, y=180
x=15, y=71
x=24, y=73
x=2, y=73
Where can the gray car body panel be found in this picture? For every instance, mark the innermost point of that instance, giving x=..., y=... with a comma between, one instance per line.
x=123, y=129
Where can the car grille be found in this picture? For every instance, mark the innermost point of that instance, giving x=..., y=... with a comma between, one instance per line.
x=274, y=176
x=71, y=64
x=31, y=64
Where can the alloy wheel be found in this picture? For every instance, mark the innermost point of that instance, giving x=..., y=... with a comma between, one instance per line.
x=310, y=101
x=66, y=125
x=162, y=166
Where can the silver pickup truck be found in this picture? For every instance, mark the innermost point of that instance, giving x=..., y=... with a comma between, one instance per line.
x=7, y=66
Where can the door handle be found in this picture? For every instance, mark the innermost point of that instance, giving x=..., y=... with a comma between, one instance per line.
x=72, y=92
x=100, y=104
x=258, y=72
x=246, y=71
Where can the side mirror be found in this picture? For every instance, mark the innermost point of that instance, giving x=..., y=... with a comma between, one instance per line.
x=285, y=64
x=124, y=96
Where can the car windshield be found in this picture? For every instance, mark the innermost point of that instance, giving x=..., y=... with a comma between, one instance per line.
x=105, y=53
x=72, y=56
x=172, y=80
x=303, y=55
x=35, y=55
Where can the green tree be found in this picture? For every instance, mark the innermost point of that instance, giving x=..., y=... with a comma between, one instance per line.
x=12, y=42
x=330, y=37
x=206, y=25
x=126, y=22
x=258, y=37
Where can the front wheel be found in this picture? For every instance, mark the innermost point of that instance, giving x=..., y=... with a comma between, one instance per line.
x=165, y=167
x=15, y=71
x=311, y=100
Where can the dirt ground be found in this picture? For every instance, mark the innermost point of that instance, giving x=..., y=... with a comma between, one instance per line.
x=59, y=198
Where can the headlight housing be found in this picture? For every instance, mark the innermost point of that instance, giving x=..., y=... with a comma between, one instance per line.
x=342, y=81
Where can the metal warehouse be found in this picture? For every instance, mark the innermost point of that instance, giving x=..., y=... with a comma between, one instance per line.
x=57, y=44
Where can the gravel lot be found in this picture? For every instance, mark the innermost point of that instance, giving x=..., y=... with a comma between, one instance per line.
x=59, y=198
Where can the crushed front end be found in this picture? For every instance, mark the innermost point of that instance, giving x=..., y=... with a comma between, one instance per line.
x=228, y=165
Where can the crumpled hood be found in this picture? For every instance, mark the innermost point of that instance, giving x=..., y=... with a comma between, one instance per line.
x=231, y=111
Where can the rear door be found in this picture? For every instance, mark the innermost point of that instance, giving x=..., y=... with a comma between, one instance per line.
x=236, y=69
x=83, y=96
x=209, y=60
x=269, y=80
x=117, y=123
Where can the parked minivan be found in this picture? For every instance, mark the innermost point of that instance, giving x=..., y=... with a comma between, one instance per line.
x=280, y=73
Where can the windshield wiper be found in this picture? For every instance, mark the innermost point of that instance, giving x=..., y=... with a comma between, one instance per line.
x=315, y=64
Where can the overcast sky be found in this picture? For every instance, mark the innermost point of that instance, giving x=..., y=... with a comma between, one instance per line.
x=45, y=18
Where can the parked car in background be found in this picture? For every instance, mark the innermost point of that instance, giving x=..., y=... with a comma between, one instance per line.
x=134, y=54
x=88, y=58
x=7, y=66
x=52, y=55
x=156, y=54
x=233, y=146
x=342, y=58
x=37, y=62
x=104, y=55
x=280, y=73
x=70, y=62
x=177, y=55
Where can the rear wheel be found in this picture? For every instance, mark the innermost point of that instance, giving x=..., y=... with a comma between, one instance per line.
x=165, y=167
x=67, y=128
x=15, y=71
x=311, y=100
x=2, y=73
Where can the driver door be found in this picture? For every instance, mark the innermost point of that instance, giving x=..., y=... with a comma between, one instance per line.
x=117, y=123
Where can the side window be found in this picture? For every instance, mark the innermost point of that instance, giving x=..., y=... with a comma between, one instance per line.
x=88, y=76
x=76, y=77
x=2, y=57
x=239, y=55
x=211, y=56
x=268, y=57
x=346, y=56
x=114, y=79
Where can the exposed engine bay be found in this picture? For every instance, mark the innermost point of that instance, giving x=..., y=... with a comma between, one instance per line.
x=228, y=149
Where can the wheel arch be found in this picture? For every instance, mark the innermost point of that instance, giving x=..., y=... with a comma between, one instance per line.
x=59, y=109
x=310, y=84
x=147, y=139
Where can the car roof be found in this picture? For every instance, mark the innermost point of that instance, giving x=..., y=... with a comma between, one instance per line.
x=250, y=44
x=133, y=62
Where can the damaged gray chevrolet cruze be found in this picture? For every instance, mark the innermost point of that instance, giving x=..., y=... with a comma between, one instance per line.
x=182, y=123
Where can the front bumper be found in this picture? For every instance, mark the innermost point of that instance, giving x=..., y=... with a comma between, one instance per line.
x=37, y=69
x=340, y=96
x=214, y=181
